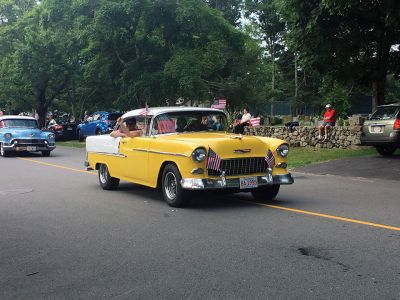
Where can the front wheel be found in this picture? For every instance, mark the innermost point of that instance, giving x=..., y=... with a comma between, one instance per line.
x=106, y=181
x=98, y=131
x=385, y=151
x=266, y=193
x=3, y=152
x=172, y=190
x=46, y=153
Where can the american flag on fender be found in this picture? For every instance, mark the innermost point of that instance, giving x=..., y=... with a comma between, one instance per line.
x=219, y=104
x=213, y=161
x=255, y=122
x=270, y=159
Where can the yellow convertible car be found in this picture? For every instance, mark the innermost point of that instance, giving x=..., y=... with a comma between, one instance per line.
x=184, y=149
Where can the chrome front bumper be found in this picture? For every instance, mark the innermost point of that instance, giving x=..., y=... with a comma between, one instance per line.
x=14, y=147
x=232, y=183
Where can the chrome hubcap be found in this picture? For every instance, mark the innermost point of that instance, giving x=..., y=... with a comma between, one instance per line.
x=171, y=185
x=103, y=174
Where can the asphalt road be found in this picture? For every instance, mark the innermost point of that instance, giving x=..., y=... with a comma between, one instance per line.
x=63, y=237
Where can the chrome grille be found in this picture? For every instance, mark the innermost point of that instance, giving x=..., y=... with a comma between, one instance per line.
x=241, y=166
x=28, y=142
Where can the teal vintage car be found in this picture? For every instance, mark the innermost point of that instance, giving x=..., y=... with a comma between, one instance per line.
x=20, y=133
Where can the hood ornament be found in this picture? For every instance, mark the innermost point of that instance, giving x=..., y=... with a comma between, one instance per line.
x=238, y=137
x=241, y=151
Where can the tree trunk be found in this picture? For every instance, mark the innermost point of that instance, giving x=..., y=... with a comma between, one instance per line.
x=296, y=83
x=273, y=78
x=41, y=107
x=380, y=70
x=378, y=89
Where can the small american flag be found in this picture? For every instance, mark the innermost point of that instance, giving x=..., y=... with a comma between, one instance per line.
x=144, y=112
x=213, y=161
x=270, y=159
x=255, y=122
x=219, y=104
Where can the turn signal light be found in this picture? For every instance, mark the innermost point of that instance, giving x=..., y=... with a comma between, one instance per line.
x=396, y=125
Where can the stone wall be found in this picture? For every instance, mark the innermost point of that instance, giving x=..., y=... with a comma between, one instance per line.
x=339, y=137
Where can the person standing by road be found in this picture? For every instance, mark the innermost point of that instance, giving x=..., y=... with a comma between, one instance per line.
x=329, y=121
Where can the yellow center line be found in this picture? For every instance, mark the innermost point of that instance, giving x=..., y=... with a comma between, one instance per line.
x=311, y=213
x=56, y=166
x=299, y=211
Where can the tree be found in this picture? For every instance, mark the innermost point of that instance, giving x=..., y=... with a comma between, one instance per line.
x=351, y=41
x=271, y=29
x=231, y=9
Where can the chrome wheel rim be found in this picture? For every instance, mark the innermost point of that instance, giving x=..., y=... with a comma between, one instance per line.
x=171, y=185
x=1, y=150
x=103, y=174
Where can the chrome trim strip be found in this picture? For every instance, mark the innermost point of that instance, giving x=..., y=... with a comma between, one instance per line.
x=241, y=151
x=159, y=152
x=109, y=154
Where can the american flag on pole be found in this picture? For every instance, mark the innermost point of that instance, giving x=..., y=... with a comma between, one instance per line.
x=219, y=104
x=144, y=111
x=255, y=122
x=213, y=161
x=270, y=159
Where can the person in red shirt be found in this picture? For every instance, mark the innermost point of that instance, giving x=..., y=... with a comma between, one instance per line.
x=329, y=121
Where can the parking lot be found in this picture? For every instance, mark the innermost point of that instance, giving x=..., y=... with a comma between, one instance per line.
x=335, y=233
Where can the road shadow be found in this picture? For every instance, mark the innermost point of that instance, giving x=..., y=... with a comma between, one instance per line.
x=34, y=155
x=204, y=200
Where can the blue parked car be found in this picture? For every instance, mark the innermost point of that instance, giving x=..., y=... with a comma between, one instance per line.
x=100, y=122
x=18, y=133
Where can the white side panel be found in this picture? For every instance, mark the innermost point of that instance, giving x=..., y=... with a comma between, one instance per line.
x=103, y=144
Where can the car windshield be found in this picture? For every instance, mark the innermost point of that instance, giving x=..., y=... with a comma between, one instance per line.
x=189, y=121
x=25, y=123
x=385, y=113
x=113, y=117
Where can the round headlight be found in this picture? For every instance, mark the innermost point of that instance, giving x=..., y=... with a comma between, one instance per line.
x=283, y=150
x=51, y=136
x=8, y=136
x=199, y=154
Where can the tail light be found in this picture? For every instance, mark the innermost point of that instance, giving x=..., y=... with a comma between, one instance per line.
x=58, y=127
x=396, y=125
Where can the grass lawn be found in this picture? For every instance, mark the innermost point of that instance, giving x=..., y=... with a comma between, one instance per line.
x=301, y=156
x=75, y=144
x=298, y=157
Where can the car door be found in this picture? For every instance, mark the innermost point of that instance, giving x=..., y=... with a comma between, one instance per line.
x=135, y=164
x=92, y=125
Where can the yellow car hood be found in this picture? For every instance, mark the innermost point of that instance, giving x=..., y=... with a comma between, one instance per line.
x=228, y=145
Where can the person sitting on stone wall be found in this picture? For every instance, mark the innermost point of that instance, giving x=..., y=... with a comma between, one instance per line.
x=329, y=121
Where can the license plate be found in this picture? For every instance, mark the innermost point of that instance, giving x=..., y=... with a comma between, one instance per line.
x=248, y=183
x=31, y=148
x=69, y=128
x=377, y=129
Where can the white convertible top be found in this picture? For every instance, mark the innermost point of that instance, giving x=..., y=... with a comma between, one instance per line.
x=16, y=117
x=152, y=111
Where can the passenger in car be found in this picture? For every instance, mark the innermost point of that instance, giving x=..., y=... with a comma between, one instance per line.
x=126, y=128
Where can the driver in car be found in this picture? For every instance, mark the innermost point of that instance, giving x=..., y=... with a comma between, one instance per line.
x=126, y=128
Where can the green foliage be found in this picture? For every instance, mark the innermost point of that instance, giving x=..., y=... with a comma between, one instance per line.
x=350, y=41
x=334, y=93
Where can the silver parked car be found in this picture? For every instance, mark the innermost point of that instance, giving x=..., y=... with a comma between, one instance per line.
x=382, y=130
